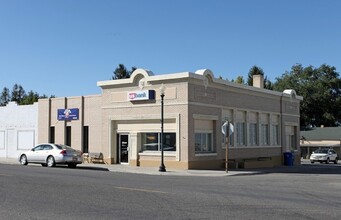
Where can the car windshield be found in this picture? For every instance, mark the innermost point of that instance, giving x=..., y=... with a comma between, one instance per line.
x=321, y=151
x=63, y=147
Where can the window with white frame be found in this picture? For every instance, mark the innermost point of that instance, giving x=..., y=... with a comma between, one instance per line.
x=240, y=132
x=264, y=134
x=292, y=142
x=203, y=143
x=203, y=131
x=253, y=134
x=275, y=135
x=291, y=138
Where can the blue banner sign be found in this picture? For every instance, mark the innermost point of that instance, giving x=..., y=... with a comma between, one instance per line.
x=68, y=114
x=141, y=95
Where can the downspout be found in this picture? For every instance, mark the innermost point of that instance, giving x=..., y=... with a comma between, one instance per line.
x=282, y=127
x=281, y=115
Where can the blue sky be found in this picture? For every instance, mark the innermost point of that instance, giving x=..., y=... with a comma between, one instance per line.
x=63, y=47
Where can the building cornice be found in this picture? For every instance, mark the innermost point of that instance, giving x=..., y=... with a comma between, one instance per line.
x=142, y=77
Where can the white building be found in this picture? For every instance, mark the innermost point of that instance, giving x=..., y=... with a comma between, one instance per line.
x=18, y=128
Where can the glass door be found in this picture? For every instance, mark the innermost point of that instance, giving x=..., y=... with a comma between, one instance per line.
x=123, y=148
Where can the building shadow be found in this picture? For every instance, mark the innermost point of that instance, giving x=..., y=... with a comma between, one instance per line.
x=96, y=168
x=313, y=169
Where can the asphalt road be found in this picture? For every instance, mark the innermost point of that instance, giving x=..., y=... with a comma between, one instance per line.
x=34, y=192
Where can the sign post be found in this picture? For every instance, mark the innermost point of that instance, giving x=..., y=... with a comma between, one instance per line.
x=227, y=135
x=227, y=130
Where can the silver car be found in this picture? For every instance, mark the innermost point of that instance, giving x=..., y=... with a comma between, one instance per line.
x=51, y=154
x=324, y=155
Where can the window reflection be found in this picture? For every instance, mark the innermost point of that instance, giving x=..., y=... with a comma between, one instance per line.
x=151, y=141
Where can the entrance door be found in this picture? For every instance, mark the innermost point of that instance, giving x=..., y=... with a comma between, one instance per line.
x=123, y=148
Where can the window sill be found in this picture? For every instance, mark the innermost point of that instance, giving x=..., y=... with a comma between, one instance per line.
x=253, y=147
x=206, y=154
x=157, y=153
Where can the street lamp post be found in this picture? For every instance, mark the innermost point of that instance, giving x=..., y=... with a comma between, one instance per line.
x=162, y=167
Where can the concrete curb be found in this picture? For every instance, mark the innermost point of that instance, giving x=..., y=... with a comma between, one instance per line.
x=148, y=170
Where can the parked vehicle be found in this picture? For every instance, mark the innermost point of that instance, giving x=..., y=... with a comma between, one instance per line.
x=324, y=155
x=51, y=154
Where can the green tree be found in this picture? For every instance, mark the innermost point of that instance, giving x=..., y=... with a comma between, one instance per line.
x=18, y=93
x=321, y=91
x=121, y=72
x=5, y=96
x=268, y=84
x=240, y=80
x=30, y=98
x=44, y=96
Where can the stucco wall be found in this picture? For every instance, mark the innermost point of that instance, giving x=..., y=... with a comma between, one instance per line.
x=117, y=109
x=257, y=105
x=18, y=128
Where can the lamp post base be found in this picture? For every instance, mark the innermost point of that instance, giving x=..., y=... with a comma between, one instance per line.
x=162, y=168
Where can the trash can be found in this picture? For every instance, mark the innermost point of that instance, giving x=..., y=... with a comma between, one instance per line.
x=288, y=159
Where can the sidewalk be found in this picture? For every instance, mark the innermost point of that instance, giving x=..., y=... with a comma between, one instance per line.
x=149, y=170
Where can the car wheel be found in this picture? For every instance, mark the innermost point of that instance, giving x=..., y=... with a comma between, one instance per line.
x=72, y=165
x=23, y=160
x=335, y=161
x=51, y=162
x=312, y=161
x=327, y=161
x=44, y=164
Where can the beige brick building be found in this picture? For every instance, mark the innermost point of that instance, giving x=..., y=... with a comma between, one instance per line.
x=123, y=123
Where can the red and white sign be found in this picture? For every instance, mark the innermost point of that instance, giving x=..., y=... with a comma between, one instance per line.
x=141, y=95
